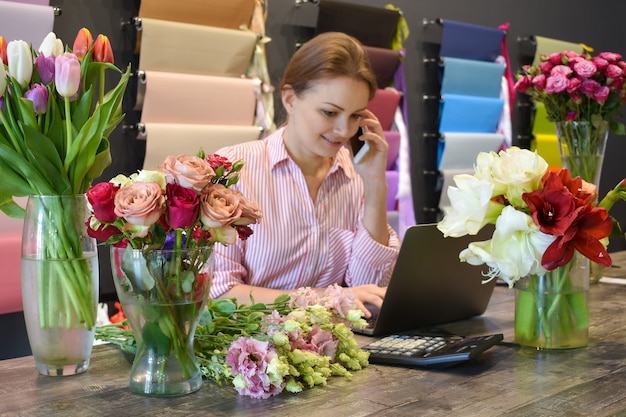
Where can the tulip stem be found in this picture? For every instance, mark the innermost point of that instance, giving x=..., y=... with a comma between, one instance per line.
x=101, y=96
x=68, y=133
x=16, y=145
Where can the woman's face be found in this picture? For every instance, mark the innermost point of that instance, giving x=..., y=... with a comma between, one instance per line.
x=326, y=116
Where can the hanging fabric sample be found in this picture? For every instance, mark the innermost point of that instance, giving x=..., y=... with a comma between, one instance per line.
x=459, y=150
x=393, y=140
x=384, y=105
x=373, y=26
x=547, y=46
x=197, y=99
x=163, y=139
x=545, y=141
x=384, y=64
x=471, y=77
x=229, y=14
x=217, y=51
x=468, y=41
x=467, y=114
x=28, y=22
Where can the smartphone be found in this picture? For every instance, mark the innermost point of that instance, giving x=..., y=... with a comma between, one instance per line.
x=358, y=147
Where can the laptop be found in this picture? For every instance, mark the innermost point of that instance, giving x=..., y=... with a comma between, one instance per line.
x=430, y=285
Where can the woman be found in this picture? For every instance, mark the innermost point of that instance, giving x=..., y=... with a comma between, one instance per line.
x=323, y=221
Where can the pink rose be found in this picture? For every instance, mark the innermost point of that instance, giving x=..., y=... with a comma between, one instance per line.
x=601, y=94
x=539, y=82
x=183, y=205
x=561, y=69
x=600, y=63
x=220, y=206
x=613, y=71
x=610, y=56
x=250, y=211
x=545, y=67
x=188, y=171
x=585, y=68
x=555, y=58
x=523, y=84
x=102, y=199
x=573, y=85
x=589, y=87
x=556, y=83
x=103, y=232
x=140, y=203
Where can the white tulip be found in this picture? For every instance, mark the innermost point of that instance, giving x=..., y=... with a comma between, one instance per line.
x=20, y=61
x=51, y=46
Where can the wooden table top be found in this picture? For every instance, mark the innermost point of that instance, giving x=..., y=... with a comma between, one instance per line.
x=505, y=380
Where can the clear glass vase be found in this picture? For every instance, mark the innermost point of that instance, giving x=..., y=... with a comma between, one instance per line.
x=163, y=294
x=59, y=279
x=552, y=310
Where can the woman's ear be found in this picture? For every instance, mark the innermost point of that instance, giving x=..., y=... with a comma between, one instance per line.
x=288, y=96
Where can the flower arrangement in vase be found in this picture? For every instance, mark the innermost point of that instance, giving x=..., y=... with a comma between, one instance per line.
x=55, y=119
x=545, y=221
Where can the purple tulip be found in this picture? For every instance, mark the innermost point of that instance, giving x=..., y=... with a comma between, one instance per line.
x=67, y=74
x=45, y=68
x=38, y=94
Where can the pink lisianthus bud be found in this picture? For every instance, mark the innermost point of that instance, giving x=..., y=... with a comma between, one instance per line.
x=67, y=74
x=573, y=85
x=82, y=43
x=523, y=84
x=601, y=94
x=20, y=60
x=613, y=71
x=546, y=67
x=102, y=51
x=612, y=57
x=571, y=116
x=38, y=94
x=555, y=58
x=600, y=63
x=589, y=87
x=45, y=68
x=3, y=51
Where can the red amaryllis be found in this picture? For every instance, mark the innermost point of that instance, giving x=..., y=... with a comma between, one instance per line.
x=584, y=235
x=553, y=207
x=183, y=205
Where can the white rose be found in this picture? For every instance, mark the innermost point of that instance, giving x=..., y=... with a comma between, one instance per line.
x=472, y=207
x=515, y=249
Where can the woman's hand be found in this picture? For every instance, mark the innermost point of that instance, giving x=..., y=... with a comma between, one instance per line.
x=368, y=294
x=373, y=165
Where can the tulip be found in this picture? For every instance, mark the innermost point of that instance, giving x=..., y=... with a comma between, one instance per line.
x=38, y=94
x=82, y=43
x=67, y=74
x=3, y=51
x=20, y=61
x=3, y=80
x=45, y=68
x=102, y=51
x=51, y=46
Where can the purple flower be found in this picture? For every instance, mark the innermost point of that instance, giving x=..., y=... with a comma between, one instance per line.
x=38, y=94
x=249, y=359
x=45, y=68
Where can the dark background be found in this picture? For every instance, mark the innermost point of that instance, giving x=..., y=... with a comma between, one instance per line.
x=598, y=24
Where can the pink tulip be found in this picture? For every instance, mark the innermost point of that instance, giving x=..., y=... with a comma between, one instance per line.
x=67, y=74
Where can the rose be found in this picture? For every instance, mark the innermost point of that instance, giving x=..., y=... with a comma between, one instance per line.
x=250, y=212
x=182, y=206
x=140, y=204
x=102, y=232
x=188, y=171
x=102, y=199
x=220, y=206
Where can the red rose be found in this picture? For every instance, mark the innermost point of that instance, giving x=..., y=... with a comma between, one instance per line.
x=102, y=198
x=104, y=231
x=183, y=205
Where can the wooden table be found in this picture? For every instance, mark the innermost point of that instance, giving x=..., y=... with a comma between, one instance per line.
x=505, y=380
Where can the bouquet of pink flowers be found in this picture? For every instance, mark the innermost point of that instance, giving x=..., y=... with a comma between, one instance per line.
x=578, y=87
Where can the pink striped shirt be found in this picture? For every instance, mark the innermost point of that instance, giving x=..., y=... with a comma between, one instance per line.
x=299, y=242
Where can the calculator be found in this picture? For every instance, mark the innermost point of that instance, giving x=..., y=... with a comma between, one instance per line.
x=428, y=350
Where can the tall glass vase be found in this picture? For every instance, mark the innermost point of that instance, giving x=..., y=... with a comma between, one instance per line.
x=59, y=279
x=552, y=310
x=582, y=146
x=163, y=294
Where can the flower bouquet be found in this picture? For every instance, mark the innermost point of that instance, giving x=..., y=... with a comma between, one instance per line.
x=296, y=343
x=583, y=95
x=162, y=226
x=544, y=220
x=55, y=119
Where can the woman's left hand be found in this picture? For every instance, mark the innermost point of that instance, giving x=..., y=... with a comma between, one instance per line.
x=374, y=163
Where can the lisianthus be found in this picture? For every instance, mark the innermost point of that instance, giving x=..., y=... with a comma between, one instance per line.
x=578, y=87
x=186, y=202
x=293, y=344
x=541, y=216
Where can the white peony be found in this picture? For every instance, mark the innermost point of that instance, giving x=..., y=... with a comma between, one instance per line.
x=515, y=249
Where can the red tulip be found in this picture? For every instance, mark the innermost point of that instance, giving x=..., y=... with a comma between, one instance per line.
x=102, y=51
x=3, y=51
x=82, y=43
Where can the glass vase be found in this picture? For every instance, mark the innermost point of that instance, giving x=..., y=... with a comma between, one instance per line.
x=552, y=310
x=163, y=294
x=59, y=280
x=582, y=146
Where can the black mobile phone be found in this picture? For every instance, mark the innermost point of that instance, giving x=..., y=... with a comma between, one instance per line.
x=357, y=146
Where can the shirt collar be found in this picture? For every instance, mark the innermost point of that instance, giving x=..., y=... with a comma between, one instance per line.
x=278, y=154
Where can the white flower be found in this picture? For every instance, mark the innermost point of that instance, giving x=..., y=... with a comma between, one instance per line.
x=472, y=207
x=514, y=172
x=515, y=249
x=51, y=46
x=20, y=61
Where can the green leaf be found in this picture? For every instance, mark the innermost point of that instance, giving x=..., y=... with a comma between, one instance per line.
x=10, y=207
x=27, y=112
x=155, y=339
x=40, y=185
x=135, y=269
x=13, y=183
x=187, y=278
x=43, y=155
x=82, y=109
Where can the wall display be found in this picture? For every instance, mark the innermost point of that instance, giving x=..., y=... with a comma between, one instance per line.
x=28, y=22
x=471, y=77
x=231, y=14
x=470, y=41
